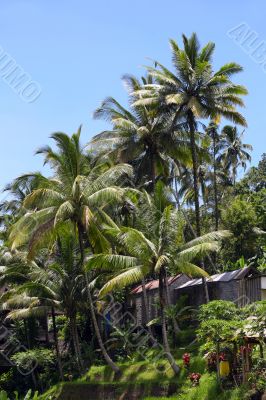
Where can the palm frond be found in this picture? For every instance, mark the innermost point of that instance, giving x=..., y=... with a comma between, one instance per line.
x=133, y=275
x=208, y=237
x=110, y=262
x=197, y=251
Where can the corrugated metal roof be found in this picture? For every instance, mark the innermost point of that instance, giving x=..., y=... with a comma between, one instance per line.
x=154, y=284
x=224, y=277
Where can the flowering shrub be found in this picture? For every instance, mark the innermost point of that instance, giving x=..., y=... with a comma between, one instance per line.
x=194, y=378
x=186, y=359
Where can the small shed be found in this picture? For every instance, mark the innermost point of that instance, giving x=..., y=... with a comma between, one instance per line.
x=136, y=298
x=242, y=286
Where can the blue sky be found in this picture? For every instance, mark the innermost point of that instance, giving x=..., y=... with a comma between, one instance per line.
x=78, y=50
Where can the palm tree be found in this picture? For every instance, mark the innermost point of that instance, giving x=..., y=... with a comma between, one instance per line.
x=144, y=257
x=11, y=207
x=194, y=92
x=19, y=302
x=74, y=194
x=140, y=136
x=235, y=153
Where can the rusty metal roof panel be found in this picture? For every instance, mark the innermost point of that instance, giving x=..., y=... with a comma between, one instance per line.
x=154, y=284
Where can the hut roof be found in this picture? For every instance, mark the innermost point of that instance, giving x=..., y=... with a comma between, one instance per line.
x=154, y=284
x=224, y=277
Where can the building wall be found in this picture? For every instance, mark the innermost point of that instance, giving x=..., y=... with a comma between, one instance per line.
x=227, y=291
x=194, y=294
x=263, y=288
x=136, y=301
x=242, y=292
x=172, y=288
x=249, y=290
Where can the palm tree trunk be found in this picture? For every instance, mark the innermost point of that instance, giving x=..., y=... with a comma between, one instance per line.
x=97, y=331
x=153, y=173
x=234, y=176
x=59, y=362
x=216, y=211
x=195, y=171
x=196, y=188
x=175, y=324
x=46, y=328
x=91, y=306
x=33, y=376
x=166, y=346
x=145, y=302
x=192, y=230
x=27, y=333
x=206, y=290
x=204, y=202
x=146, y=311
x=75, y=339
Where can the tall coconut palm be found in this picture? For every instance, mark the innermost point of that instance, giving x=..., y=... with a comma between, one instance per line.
x=144, y=257
x=194, y=92
x=235, y=153
x=74, y=194
x=140, y=136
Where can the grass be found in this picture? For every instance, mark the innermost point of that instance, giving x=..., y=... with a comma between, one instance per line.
x=149, y=378
x=142, y=372
x=207, y=390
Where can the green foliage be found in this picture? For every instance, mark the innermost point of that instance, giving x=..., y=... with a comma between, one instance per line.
x=220, y=321
x=29, y=396
x=6, y=379
x=218, y=309
x=34, y=357
x=255, y=179
x=109, y=217
x=235, y=153
x=257, y=324
x=261, y=260
x=207, y=390
x=258, y=201
x=257, y=378
x=215, y=330
x=241, y=219
x=144, y=373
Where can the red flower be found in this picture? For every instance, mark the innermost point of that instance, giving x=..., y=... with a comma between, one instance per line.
x=186, y=359
x=195, y=377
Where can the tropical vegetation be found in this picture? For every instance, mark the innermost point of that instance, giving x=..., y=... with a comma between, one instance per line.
x=156, y=194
